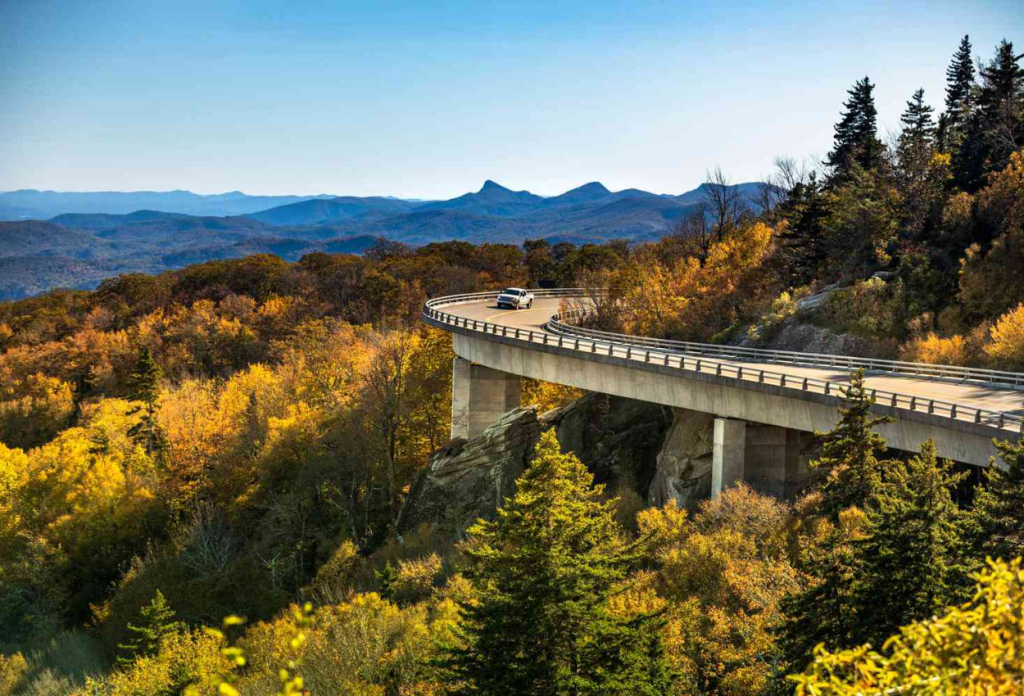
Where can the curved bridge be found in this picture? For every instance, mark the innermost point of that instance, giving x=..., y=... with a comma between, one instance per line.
x=961, y=409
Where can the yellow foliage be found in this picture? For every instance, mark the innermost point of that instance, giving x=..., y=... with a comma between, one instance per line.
x=356, y=647
x=724, y=581
x=416, y=578
x=662, y=527
x=694, y=300
x=1007, y=345
x=12, y=668
x=185, y=659
x=976, y=648
x=548, y=395
x=931, y=348
x=991, y=283
x=35, y=409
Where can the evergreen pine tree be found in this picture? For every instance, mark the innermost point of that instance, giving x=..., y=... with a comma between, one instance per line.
x=1002, y=82
x=144, y=385
x=387, y=579
x=959, y=97
x=996, y=125
x=918, y=125
x=803, y=240
x=850, y=451
x=995, y=524
x=914, y=177
x=824, y=612
x=907, y=564
x=856, y=140
x=544, y=571
x=157, y=622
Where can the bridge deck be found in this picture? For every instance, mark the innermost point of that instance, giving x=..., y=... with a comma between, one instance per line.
x=989, y=397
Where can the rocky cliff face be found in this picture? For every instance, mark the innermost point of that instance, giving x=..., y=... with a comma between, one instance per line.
x=468, y=479
x=618, y=439
x=663, y=454
x=683, y=471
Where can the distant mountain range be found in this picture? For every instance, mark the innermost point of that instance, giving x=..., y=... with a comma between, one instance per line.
x=43, y=205
x=91, y=236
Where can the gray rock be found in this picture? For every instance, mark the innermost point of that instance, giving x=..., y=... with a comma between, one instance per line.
x=469, y=479
x=617, y=439
x=684, y=463
x=810, y=338
x=817, y=299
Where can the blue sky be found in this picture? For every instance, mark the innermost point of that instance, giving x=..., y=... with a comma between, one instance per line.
x=429, y=99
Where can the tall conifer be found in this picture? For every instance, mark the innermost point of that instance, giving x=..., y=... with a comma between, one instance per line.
x=959, y=96
x=851, y=450
x=856, y=140
x=545, y=570
x=995, y=523
x=907, y=561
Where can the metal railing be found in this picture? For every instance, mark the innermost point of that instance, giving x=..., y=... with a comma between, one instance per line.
x=559, y=323
x=669, y=354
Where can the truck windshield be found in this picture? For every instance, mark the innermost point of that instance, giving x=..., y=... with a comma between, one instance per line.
x=511, y=291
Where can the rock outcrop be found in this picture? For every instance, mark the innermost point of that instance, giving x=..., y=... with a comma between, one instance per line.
x=468, y=479
x=660, y=453
x=683, y=471
x=617, y=438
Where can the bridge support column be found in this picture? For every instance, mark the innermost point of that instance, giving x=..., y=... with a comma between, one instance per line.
x=728, y=454
x=773, y=464
x=480, y=395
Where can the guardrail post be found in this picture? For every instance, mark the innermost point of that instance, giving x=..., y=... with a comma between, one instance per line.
x=803, y=387
x=576, y=346
x=739, y=373
x=913, y=403
x=718, y=369
x=629, y=352
x=666, y=359
x=760, y=377
x=931, y=406
x=952, y=411
x=894, y=401
x=698, y=365
x=977, y=415
x=1000, y=419
x=559, y=340
x=782, y=382
x=826, y=388
x=593, y=346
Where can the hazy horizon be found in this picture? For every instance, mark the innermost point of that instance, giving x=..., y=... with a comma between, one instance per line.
x=426, y=102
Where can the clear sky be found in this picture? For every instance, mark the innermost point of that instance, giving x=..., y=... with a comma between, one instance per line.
x=429, y=99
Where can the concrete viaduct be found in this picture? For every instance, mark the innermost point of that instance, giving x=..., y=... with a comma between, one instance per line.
x=762, y=400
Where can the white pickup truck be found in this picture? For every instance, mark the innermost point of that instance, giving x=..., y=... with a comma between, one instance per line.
x=516, y=298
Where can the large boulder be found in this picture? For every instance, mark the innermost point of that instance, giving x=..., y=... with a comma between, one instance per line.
x=683, y=471
x=618, y=439
x=469, y=479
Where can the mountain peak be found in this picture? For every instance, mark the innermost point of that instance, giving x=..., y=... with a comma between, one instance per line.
x=593, y=187
x=490, y=185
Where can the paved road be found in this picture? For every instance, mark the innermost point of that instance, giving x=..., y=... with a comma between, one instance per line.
x=983, y=396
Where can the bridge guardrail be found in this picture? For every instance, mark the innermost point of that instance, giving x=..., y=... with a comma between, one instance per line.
x=558, y=324
x=667, y=353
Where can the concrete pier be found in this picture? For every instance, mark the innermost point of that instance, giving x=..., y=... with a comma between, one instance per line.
x=728, y=455
x=773, y=463
x=480, y=395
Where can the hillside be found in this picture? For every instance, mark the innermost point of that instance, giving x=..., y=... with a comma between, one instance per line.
x=321, y=211
x=151, y=239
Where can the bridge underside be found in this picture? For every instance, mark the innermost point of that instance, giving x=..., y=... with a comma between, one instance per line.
x=744, y=447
